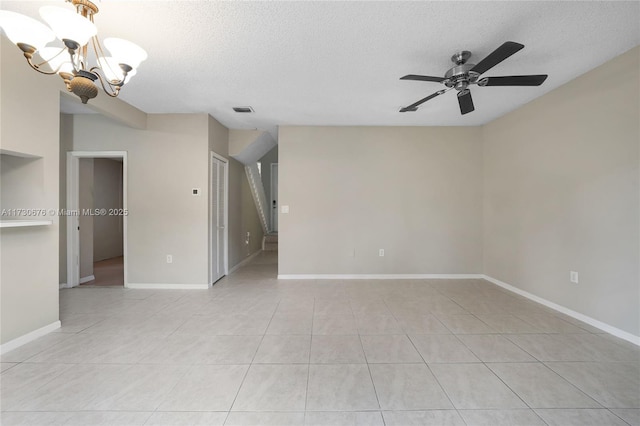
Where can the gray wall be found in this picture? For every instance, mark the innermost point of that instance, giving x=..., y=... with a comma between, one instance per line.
x=107, y=229
x=243, y=216
x=415, y=192
x=267, y=160
x=562, y=194
x=165, y=162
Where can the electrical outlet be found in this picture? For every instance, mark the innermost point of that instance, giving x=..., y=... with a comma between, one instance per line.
x=169, y=258
x=573, y=277
x=381, y=252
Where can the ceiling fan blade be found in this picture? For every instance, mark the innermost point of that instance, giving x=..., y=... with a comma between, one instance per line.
x=500, y=54
x=465, y=101
x=422, y=78
x=514, y=80
x=414, y=106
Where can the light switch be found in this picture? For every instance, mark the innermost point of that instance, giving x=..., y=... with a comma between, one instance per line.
x=284, y=209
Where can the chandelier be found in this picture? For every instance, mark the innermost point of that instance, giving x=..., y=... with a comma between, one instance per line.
x=78, y=34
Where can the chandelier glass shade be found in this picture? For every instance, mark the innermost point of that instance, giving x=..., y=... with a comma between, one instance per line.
x=81, y=60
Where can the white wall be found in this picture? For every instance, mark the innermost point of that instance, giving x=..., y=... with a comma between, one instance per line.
x=107, y=229
x=562, y=194
x=415, y=192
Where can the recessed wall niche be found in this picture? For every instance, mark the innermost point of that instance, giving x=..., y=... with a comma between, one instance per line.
x=22, y=190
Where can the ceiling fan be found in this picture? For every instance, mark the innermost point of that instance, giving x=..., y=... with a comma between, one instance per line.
x=464, y=74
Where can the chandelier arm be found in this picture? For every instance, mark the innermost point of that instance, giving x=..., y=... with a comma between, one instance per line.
x=28, y=52
x=84, y=55
x=36, y=67
x=116, y=85
x=111, y=93
x=94, y=41
x=97, y=48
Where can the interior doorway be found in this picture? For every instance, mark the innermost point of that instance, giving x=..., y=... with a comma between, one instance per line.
x=106, y=230
x=218, y=233
x=96, y=212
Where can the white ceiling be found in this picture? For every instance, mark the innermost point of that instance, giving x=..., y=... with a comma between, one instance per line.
x=339, y=63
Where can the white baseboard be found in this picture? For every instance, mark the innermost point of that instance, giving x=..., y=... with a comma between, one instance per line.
x=63, y=285
x=577, y=315
x=87, y=279
x=376, y=276
x=167, y=286
x=29, y=337
x=244, y=261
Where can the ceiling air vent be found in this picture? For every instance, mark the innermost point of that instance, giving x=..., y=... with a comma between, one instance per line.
x=243, y=109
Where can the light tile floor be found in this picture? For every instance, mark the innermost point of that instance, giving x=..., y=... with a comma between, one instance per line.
x=254, y=350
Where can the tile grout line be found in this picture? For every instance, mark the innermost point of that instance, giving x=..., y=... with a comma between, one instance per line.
x=187, y=370
x=435, y=377
x=613, y=413
x=373, y=383
x=250, y=364
x=573, y=385
x=306, y=396
x=481, y=361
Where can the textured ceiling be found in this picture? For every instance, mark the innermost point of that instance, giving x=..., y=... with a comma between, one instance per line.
x=339, y=63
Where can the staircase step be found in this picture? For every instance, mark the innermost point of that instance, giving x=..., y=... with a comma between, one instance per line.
x=271, y=238
x=271, y=247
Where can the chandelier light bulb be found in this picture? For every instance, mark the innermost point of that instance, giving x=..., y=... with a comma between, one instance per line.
x=68, y=25
x=125, y=52
x=22, y=29
x=110, y=68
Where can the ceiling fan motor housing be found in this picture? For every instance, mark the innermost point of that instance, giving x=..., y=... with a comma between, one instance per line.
x=460, y=76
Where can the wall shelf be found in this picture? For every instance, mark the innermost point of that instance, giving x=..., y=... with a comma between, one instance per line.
x=18, y=154
x=22, y=223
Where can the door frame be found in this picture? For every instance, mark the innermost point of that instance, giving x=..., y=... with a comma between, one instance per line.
x=73, y=205
x=225, y=233
x=274, y=215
